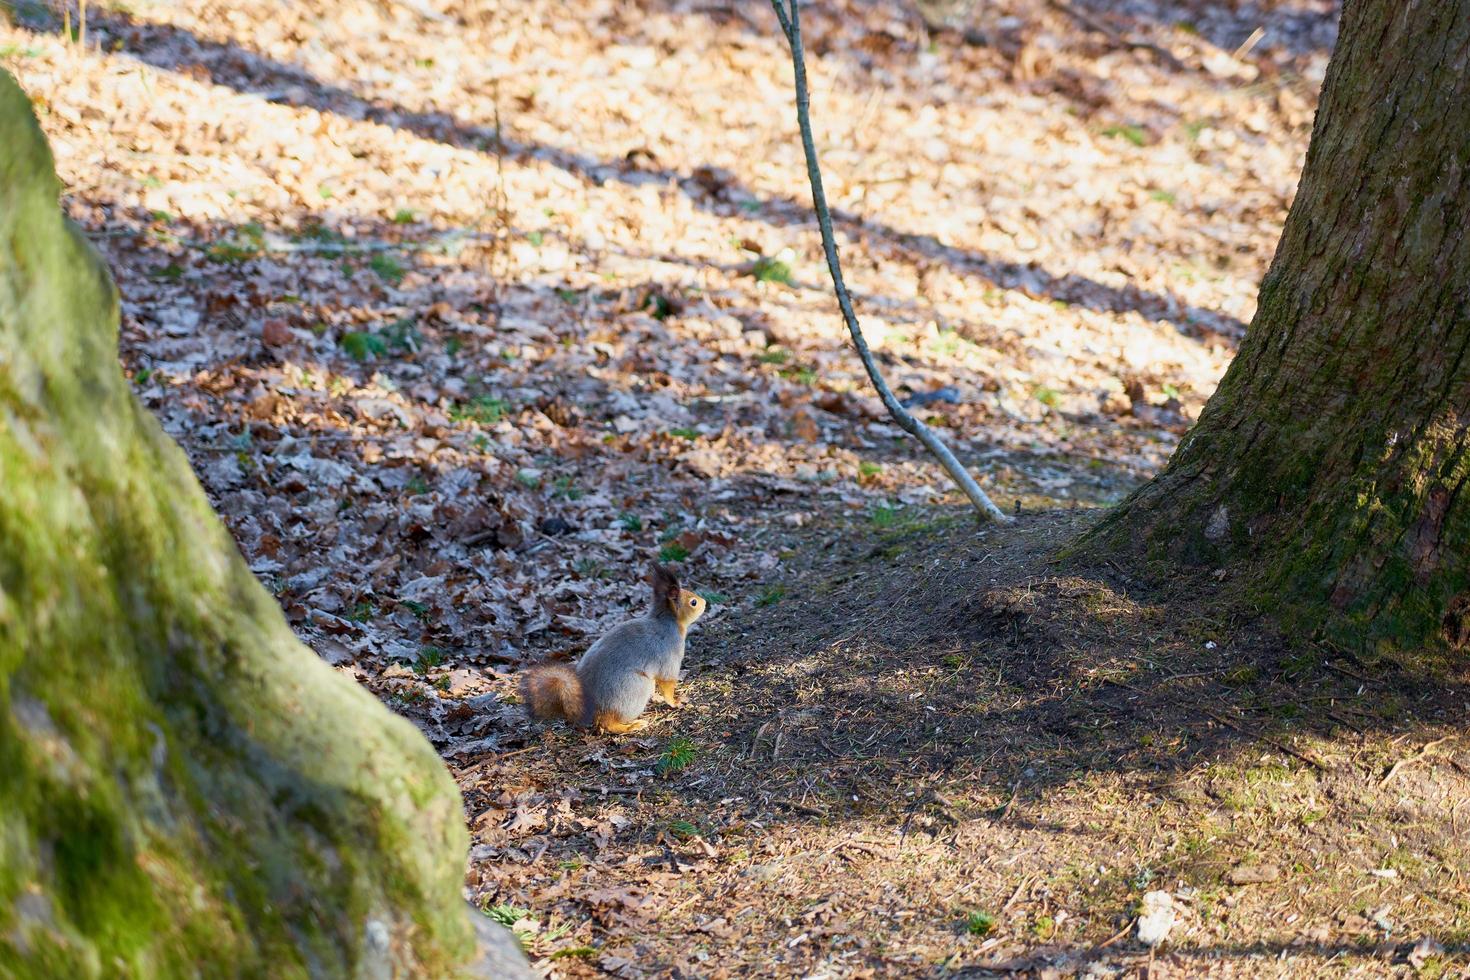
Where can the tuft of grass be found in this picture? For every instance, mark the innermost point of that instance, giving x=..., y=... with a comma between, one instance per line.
x=565, y=488
x=1132, y=134
x=416, y=485
x=714, y=598
x=868, y=470
x=768, y=269
x=507, y=914
x=587, y=951
x=528, y=479
x=773, y=356
x=678, y=754
x=673, y=551
x=388, y=269
x=684, y=432
x=172, y=272
x=682, y=829
x=404, y=216
x=885, y=515
x=1164, y=196
x=535, y=238
x=771, y=595
x=630, y=522
x=363, y=346
x=482, y=409
x=233, y=250
x=429, y=657
x=1049, y=397
x=979, y=923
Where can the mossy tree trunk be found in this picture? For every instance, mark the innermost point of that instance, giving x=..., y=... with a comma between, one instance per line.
x=1327, y=469
x=185, y=790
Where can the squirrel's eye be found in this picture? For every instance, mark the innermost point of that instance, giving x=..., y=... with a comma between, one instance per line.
x=694, y=602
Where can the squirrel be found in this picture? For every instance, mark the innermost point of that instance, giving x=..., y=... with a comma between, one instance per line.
x=616, y=677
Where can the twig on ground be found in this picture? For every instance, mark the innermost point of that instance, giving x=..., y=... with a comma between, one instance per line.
x=790, y=18
x=1408, y=759
x=1306, y=757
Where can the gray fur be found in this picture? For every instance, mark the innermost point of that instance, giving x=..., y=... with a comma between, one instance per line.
x=618, y=671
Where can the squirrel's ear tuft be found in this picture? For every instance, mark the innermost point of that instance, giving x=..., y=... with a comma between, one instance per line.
x=665, y=585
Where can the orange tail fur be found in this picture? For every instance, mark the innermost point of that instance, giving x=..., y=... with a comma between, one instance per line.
x=553, y=691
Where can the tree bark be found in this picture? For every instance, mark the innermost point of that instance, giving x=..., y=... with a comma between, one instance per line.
x=1328, y=467
x=185, y=790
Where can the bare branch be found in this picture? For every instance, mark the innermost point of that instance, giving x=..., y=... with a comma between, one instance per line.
x=791, y=26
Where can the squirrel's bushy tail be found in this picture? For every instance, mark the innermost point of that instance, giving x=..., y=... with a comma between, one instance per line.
x=553, y=691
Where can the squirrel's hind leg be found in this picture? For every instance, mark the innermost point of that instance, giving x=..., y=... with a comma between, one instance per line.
x=664, y=691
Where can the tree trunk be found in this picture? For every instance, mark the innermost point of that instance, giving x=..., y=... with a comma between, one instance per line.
x=1327, y=469
x=185, y=789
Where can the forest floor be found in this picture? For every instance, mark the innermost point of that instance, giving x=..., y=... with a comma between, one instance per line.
x=463, y=310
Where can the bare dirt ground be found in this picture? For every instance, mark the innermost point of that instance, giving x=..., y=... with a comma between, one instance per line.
x=463, y=310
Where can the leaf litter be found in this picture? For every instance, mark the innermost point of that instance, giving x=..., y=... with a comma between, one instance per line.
x=462, y=311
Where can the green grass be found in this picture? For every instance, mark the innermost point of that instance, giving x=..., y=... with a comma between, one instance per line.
x=771, y=595
x=247, y=242
x=1132, y=134
x=507, y=914
x=403, y=216
x=678, y=754
x=586, y=951
x=979, y=923
x=773, y=356
x=885, y=515
x=767, y=269
x=631, y=522
x=482, y=410
x=388, y=269
x=363, y=346
x=1049, y=397
x=685, y=433
x=429, y=657
x=673, y=551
